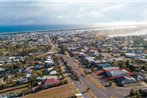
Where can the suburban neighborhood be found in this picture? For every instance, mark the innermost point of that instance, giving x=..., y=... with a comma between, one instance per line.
x=73, y=64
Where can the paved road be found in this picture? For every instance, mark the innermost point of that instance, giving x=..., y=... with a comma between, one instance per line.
x=97, y=92
x=111, y=91
x=79, y=85
x=108, y=93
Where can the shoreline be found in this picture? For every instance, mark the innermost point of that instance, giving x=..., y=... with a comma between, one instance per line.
x=58, y=30
x=83, y=28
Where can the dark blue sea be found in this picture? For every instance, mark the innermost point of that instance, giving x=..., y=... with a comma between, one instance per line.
x=25, y=28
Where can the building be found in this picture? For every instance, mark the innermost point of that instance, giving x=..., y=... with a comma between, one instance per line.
x=49, y=62
x=103, y=65
x=113, y=72
x=38, y=67
x=120, y=76
x=54, y=72
x=79, y=95
x=2, y=72
x=50, y=82
x=126, y=80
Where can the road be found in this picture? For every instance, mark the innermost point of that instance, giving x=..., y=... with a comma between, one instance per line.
x=109, y=92
x=79, y=85
x=96, y=91
x=118, y=92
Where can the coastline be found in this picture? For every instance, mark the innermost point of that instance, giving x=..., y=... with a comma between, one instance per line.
x=109, y=30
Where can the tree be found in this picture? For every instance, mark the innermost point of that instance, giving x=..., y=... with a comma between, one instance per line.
x=114, y=63
x=122, y=64
x=132, y=92
x=6, y=78
x=127, y=63
x=93, y=69
x=138, y=95
x=39, y=73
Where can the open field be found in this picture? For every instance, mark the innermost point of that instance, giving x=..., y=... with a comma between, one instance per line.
x=57, y=92
x=16, y=89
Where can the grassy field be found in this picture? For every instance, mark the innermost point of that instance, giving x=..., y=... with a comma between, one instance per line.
x=56, y=92
x=16, y=89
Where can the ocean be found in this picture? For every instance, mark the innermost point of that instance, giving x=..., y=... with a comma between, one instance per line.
x=25, y=28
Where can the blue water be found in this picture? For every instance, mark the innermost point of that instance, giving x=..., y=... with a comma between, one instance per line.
x=24, y=28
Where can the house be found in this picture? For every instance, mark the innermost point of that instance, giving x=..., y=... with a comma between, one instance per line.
x=28, y=75
x=141, y=76
x=2, y=62
x=102, y=65
x=138, y=77
x=38, y=67
x=12, y=58
x=118, y=59
x=50, y=82
x=121, y=76
x=50, y=53
x=89, y=59
x=49, y=62
x=54, y=72
x=113, y=72
x=22, y=81
x=49, y=77
x=11, y=95
x=26, y=70
x=81, y=54
x=48, y=70
x=110, y=68
x=19, y=58
x=130, y=55
x=79, y=95
x=16, y=59
x=126, y=80
x=2, y=70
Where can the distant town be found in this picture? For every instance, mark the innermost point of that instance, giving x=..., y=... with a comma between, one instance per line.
x=83, y=63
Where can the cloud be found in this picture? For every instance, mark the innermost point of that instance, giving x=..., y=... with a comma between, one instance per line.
x=36, y=12
x=113, y=7
x=72, y=1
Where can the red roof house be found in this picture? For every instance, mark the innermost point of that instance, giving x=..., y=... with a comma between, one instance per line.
x=50, y=82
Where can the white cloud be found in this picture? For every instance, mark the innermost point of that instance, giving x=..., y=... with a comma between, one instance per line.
x=144, y=15
x=72, y=12
x=113, y=7
x=95, y=14
x=72, y=1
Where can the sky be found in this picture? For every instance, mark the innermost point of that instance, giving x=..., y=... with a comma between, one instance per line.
x=52, y=12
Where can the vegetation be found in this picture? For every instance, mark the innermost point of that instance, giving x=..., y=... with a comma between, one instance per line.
x=134, y=94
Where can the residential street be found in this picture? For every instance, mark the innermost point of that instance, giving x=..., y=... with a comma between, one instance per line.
x=97, y=92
